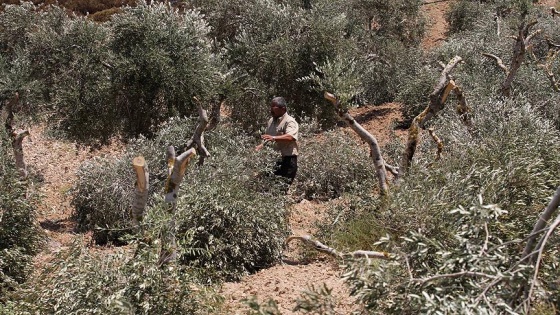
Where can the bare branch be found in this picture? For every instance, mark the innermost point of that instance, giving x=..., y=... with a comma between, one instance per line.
x=392, y=169
x=197, y=139
x=307, y=240
x=540, y=249
x=540, y=225
x=17, y=146
x=547, y=66
x=472, y=274
x=498, y=61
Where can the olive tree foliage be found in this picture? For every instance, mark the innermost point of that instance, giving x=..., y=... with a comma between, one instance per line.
x=15, y=65
x=124, y=76
x=458, y=224
x=70, y=56
x=278, y=43
x=20, y=238
x=163, y=58
x=112, y=283
x=230, y=214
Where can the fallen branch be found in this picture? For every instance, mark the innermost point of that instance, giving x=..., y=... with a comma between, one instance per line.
x=540, y=225
x=307, y=240
x=472, y=274
x=540, y=250
x=375, y=151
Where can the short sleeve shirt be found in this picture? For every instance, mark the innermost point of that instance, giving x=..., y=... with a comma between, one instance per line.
x=285, y=124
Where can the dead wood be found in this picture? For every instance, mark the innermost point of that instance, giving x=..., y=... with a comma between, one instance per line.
x=307, y=240
x=375, y=151
x=437, y=98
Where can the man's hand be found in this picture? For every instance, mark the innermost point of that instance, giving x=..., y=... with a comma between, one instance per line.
x=267, y=137
x=260, y=146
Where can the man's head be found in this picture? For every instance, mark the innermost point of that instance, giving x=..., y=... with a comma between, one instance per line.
x=277, y=107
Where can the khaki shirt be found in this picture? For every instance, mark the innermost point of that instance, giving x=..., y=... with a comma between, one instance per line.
x=285, y=124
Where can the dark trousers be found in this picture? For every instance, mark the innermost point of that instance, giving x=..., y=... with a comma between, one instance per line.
x=287, y=167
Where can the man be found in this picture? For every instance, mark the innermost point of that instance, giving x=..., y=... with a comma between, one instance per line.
x=282, y=131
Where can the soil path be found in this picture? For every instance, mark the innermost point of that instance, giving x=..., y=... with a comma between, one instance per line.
x=436, y=24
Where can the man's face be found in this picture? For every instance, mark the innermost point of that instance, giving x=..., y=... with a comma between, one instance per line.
x=276, y=111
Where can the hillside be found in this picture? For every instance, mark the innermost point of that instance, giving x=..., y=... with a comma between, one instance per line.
x=54, y=163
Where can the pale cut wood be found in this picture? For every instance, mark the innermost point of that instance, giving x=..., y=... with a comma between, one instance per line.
x=375, y=151
x=309, y=241
x=177, y=173
x=141, y=190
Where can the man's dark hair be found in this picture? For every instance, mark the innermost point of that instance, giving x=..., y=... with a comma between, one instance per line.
x=279, y=101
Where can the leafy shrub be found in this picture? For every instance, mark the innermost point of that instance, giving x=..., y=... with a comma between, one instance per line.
x=508, y=164
x=76, y=75
x=462, y=16
x=113, y=284
x=233, y=215
x=162, y=59
x=332, y=166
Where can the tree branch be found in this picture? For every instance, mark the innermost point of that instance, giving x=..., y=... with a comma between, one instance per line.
x=375, y=151
x=438, y=142
x=472, y=274
x=197, y=139
x=437, y=102
x=499, y=62
x=307, y=240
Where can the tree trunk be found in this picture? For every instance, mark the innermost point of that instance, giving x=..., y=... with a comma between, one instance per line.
x=17, y=145
x=437, y=101
x=177, y=167
x=141, y=191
